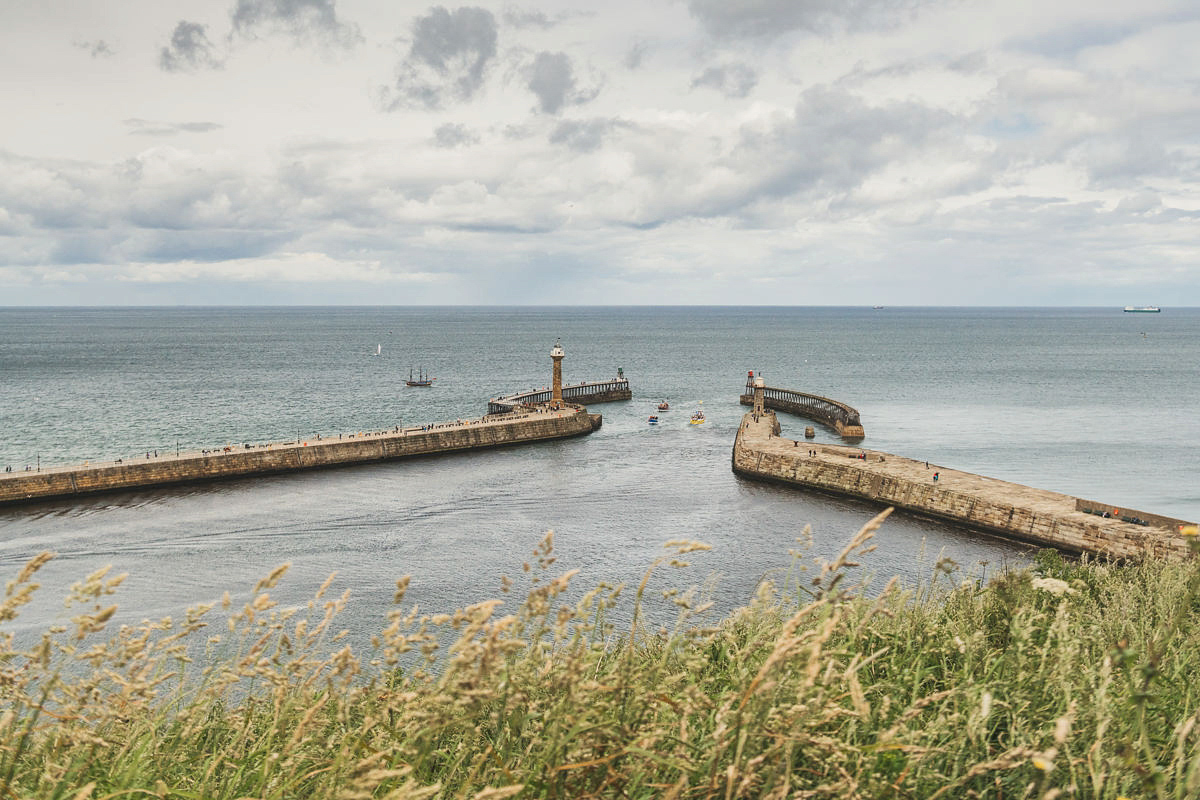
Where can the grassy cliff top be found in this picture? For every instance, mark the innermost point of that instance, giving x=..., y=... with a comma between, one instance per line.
x=1066, y=680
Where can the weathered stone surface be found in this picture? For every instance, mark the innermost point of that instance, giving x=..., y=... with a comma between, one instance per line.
x=1009, y=509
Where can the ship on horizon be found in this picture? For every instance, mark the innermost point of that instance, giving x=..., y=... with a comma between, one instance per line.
x=1142, y=309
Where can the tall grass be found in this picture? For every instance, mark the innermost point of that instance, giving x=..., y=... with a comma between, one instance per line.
x=1066, y=680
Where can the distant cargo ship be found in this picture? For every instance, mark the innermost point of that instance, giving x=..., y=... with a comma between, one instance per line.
x=1142, y=309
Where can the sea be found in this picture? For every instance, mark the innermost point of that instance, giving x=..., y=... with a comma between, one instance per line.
x=1091, y=402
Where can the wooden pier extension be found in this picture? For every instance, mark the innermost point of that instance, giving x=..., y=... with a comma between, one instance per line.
x=1009, y=509
x=491, y=431
x=841, y=417
x=581, y=393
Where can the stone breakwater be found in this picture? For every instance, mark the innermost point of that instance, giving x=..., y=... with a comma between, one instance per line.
x=1008, y=509
x=493, y=431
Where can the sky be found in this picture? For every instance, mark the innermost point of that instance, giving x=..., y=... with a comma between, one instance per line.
x=741, y=152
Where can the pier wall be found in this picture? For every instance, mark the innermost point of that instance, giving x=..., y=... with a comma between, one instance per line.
x=30, y=486
x=1010, y=510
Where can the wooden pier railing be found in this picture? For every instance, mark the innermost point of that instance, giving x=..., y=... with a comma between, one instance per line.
x=839, y=416
x=582, y=393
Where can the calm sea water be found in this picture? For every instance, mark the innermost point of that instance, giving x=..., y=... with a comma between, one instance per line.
x=1091, y=402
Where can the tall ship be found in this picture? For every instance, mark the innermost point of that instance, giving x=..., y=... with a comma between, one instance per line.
x=421, y=379
x=1142, y=309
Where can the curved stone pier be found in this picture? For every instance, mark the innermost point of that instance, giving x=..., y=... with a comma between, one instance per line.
x=1008, y=509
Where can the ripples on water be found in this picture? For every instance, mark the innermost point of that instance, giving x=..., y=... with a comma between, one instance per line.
x=1076, y=401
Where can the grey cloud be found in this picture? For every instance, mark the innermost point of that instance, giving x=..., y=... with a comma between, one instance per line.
x=552, y=79
x=198, y=127
x=769, y=18
x=145, y=127
x=585, y=135
x=528, y=19
x=1125, y=159
x=449, y=56
x=303, y=20
x=836, y=141
x=165, y=245
x=636, y=55
x=1141, y=203
x=732, y=80
x=517, y=133
x=1066, y=41
x=97, y=49
x=819, y=156
x=970, y=63
x=1132, y=140
x=190, y=49
x=114, y=214
x=522, y=19
x=453, y=135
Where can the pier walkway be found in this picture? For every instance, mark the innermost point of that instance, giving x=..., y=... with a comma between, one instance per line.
x=1009, y=509
x=158, y=469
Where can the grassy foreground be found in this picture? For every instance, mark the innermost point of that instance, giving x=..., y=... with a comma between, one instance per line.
x=1068, y=680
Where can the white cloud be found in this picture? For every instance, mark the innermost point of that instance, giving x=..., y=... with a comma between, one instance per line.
x=766, y=151
x=286, y=267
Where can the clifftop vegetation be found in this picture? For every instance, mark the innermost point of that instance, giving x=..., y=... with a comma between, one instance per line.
x=1064, y=680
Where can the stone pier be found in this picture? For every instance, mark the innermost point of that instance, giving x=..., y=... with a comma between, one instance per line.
x=1008, y=509
x=356, y=448
x=519, y=422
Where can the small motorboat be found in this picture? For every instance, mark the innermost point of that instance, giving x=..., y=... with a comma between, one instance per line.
x=653, y=420
x=663, y=406
x=697, y=418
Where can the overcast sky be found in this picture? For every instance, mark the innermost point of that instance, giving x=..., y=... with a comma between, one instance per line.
x=777, y=152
